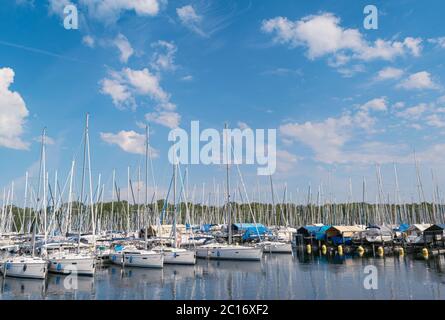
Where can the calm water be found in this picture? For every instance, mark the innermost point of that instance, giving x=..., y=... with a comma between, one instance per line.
x=276, y=277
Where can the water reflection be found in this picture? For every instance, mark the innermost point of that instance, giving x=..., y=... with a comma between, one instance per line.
x=297, y=276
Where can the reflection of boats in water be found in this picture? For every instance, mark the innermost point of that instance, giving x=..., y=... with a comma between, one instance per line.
x=23, y=288
x=58, y=284
x=215, y=266
x=136, y=274
x=181, y=272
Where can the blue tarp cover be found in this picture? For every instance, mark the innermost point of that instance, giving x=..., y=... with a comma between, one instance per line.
x=251, y=230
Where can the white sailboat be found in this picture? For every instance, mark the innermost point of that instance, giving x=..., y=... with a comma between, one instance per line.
x=229, y=251
x=76, y=263
x=81, y=263
x=133, y=257
x=28, y=266
x=24, y=267
x=276, y=247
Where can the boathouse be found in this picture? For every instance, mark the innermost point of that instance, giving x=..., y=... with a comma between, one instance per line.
x=434, y=233
x=341, y=234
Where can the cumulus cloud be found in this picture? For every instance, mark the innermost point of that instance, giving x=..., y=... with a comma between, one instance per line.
x=412, y=113
x=377, y=104
x=124, y=85
x=164, y=56
x=389, y=73
x=331, y=139
x=109, y=11
x=440, y=42
x=125, y=49
x=169, y=119
x=128, y=141
x=435, y=121
x=190, y=19
x=417, y=81
x=13, y=113
x=322, y=35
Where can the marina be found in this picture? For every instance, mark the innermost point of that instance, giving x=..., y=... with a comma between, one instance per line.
x=275, y=277
x=177, y=248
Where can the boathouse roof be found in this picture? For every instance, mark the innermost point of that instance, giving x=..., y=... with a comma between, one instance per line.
x=435, y=229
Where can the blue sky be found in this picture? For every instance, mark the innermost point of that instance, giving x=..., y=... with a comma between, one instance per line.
x=341, y=97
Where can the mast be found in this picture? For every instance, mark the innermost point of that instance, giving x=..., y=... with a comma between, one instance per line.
x=79, y=227
x=146, y=189
x=174, y=204
x=229, y=213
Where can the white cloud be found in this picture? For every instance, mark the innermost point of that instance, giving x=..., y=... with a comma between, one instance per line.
x=419, y=80
x=128, y=141
x=389, y=73
x=126, y=51
x=412, y=113
x=118, y=91
x=168, y=119
x=56, y=7
x=189, y=18
x=377, y=104
x=88, y=41
x=339, y=140
x=108, y=11
x=124, y=85
x=147, y=83
x=164, y=56
x=440, y=42
x=322, y=35
x=325, y=138
x=13, y=113
x=435, y=121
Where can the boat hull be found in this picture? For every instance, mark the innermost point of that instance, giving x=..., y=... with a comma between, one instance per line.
x=25, y=270
x=80, y=266
x=278, y=248
x=181, y=257
x=138, y=260
x=224, y=253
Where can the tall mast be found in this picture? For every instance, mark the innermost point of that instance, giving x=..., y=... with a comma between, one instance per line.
x=145, y=212
x=229, y=213
x=44, y=184
x=82, y=187
x=174, y=204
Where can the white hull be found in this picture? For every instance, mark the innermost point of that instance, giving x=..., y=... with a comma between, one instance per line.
x=277, y=247
x=179, y=256
x=25, y=268
x=81, y=265
x=229, y=252
x=141, y=260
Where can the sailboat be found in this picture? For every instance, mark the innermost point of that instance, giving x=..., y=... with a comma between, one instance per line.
x=130, y=255
x=275, y=245
x=229, y=251
x=173, y=254
x=25, y=266
x=81, y=263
